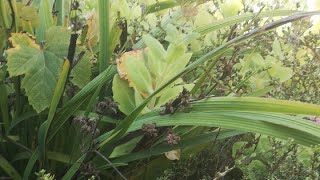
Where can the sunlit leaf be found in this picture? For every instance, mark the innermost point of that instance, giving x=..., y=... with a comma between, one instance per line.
x=123, y=94
x=40, y=68
x=40, y=65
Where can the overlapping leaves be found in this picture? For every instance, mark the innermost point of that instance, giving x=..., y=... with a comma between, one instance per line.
x=141, y=72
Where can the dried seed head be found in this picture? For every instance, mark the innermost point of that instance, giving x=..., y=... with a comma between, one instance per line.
x=108, y=106
x=150, y=129
x=172, y=138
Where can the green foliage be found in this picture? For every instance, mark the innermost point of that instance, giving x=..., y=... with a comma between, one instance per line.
x=142, y=72
x=270, y=158
x=135, y=106
x=41, y=64
x=39, y=67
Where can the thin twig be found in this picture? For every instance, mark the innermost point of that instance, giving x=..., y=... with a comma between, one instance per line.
x=109, y=162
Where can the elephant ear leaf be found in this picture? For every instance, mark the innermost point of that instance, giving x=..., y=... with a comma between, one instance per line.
x=39, y=67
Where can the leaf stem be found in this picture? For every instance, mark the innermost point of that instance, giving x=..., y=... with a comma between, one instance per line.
x=104, y=35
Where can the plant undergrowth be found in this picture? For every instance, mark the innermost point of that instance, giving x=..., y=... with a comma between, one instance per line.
x=158, y=90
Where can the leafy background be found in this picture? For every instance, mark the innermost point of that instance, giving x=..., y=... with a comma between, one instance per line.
x=173, y=85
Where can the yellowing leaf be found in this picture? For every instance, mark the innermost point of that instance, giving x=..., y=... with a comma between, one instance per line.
x=139, y=76
x=123, y=59
x=147, y=69
x=39, y=67
x=93, y=30
x=28, y=13
x=174, y=154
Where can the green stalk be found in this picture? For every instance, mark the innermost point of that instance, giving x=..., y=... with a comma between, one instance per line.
x=46, y=20
x=205, y=74
x=15, y=11
x=4, y=14
x=104, y=35
x=4, y=106
x=60, y=8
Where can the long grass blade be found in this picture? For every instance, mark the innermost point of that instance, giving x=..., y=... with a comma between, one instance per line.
x=229, y=21
x=9, y=169
x=74, y=168
x=58, y=92
x=104, y=34
x=161, y=149
x=34, y=157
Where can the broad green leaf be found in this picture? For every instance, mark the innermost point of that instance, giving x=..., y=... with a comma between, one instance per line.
x=175, y=51
x=147, y=69
x=155, y=47
x=81, y=73
x=154, y=65
x=169, y=94
x=57, y=41
x=123, y=94
x=173, y=35
x=176, y=66
x=40, y=68
x=139, y=76
x=40, y=65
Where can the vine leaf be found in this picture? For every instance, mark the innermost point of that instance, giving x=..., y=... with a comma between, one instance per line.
x=81, y=73
x=40, y=65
